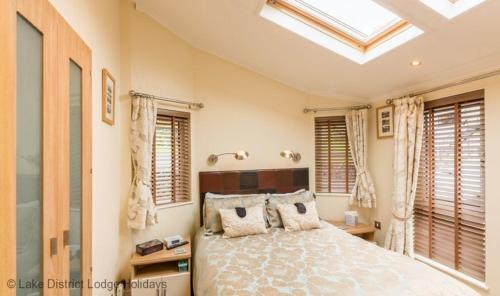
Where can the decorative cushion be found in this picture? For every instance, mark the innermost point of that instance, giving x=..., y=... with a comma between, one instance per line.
x=274, y=200
x=294, y=218
x=213, y=203
x=234, y=225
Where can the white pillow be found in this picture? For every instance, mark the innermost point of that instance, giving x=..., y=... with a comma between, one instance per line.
x=293, y=220
x=251, y=223
x=273, y=200
x=211, y=217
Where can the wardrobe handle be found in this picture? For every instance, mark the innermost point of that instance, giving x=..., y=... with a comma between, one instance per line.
x=53, y=246
x=66, y=238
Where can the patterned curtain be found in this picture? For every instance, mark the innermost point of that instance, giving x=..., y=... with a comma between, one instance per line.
x=363, y=192
x=141, y=208
x=408, y=130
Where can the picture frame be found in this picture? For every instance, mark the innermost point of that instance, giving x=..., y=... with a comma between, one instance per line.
x=385, y=122
x=108, y=97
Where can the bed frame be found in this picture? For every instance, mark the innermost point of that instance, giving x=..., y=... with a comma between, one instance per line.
x=252, y=181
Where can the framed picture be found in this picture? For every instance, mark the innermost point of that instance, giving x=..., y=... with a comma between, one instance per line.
x=385, y=122
x=108, y=98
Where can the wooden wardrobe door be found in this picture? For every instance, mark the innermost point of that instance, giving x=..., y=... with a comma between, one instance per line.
x=35, y=241
x=75, y=204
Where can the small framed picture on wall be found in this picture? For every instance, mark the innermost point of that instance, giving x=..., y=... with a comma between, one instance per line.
x=385, y=122
x=108, y=97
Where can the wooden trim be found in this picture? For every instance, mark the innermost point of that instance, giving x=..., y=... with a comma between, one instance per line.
x=359, y=229
x=346, y=162
x=76, y=50
x=105, y=73
x=166, y=112
x=7, y=145
x=153, y=169
x=316, y=24
x=336, y=33
x=395, y=29
x=173, y=157
x=329, y=156
x=431, y=174
x=456, y=181
x=447, y=101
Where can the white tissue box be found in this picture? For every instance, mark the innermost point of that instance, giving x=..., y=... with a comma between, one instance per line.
x=351, y=218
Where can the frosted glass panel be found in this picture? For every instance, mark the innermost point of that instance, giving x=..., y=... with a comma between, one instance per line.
x=28, y=158
x=75, y=111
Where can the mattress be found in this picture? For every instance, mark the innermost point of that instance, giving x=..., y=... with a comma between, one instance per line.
x=325, y=261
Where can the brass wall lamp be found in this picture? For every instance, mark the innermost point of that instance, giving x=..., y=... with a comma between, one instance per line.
x=295, y=156
x=239, y=155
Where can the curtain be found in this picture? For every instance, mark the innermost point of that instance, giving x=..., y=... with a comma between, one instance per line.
x=141, y=208
x=408, y=130
x=363, y=192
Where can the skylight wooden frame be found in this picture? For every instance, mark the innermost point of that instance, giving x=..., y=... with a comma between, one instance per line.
x=336, y=33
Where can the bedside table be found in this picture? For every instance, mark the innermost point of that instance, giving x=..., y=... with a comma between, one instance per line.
x=157, y=274
x=362, y=230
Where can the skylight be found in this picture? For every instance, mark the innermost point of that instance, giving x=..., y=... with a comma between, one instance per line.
x=451, y=8
x=362, y=19
x=360, y=30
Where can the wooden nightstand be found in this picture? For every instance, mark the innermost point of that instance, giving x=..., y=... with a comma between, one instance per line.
x=157, y=274
x=362, y=230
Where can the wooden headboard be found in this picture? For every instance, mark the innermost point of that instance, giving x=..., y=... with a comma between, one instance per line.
x=252, y=181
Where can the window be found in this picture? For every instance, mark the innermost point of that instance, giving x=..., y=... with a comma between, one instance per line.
x=449, y=212
x=360, y=25
x=335, y=171
x=171, y=161
x=451, y=8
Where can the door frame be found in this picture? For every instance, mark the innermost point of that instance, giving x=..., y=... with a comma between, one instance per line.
x=7, y=146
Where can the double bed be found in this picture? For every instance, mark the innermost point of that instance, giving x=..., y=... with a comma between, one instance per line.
x=324, y=261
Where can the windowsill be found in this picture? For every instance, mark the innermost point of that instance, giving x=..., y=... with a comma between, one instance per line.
x=457, y=274
x=341, y=195
x=174, y=205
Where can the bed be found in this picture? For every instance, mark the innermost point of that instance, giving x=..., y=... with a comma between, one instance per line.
x=325, y=261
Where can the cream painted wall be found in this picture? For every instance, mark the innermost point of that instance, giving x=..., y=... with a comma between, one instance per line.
x=380, y=159
x=243, y=110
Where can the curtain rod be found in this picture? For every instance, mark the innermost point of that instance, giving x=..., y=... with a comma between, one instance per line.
x=144, y=95
x=307, y=110
x=447, y=85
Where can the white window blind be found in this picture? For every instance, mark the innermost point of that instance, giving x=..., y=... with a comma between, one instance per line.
x=335, y=171
x=450, y=202
x=171, y=167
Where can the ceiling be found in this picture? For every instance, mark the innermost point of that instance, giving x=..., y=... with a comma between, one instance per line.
x=233, y=30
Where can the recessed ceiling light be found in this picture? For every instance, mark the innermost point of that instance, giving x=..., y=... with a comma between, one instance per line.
x=416, y=63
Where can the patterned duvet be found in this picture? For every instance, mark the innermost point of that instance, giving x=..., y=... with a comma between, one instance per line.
x=325, y=261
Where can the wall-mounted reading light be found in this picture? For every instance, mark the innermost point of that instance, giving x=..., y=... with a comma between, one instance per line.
x=295, y=156
x=239, y=155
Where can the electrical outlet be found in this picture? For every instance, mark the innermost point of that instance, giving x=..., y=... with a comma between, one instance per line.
x=378, y=225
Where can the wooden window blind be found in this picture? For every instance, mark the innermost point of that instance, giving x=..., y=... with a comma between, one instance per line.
x=335, y=171
x=171, y=161
x=449, y=213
